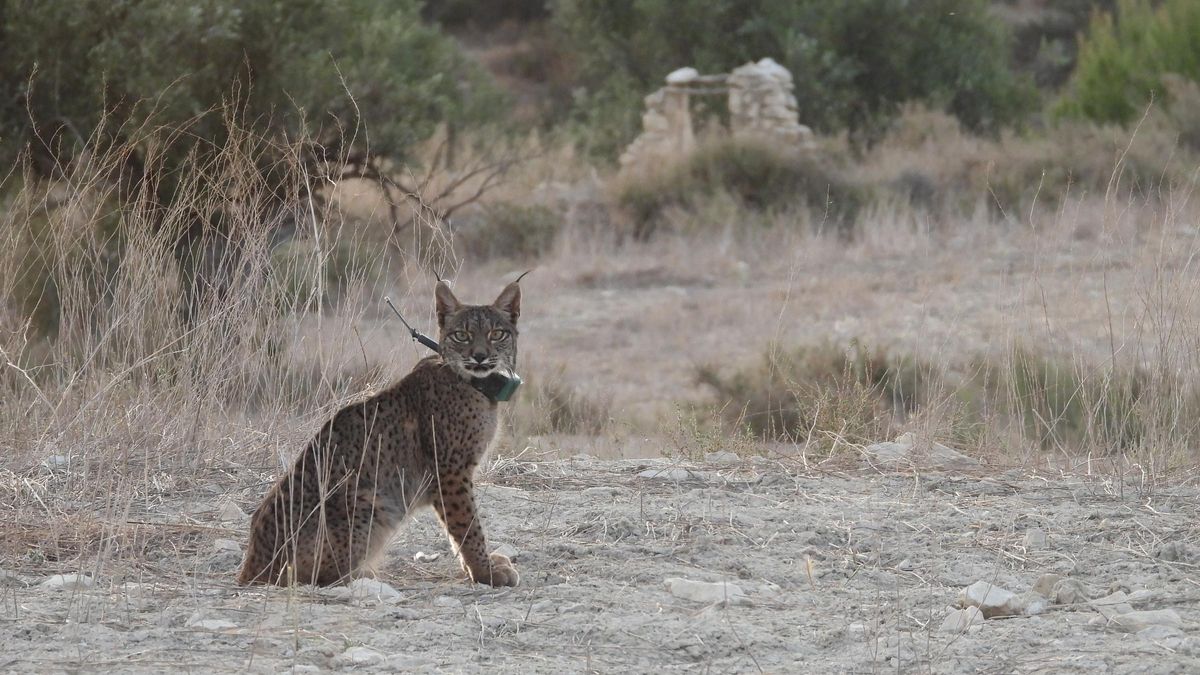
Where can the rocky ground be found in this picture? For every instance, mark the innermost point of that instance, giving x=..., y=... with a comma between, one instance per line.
x=727, y=565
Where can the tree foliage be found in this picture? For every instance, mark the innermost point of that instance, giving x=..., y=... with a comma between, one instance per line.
x=1123, y=58
x=854, y=61
x=286, y=67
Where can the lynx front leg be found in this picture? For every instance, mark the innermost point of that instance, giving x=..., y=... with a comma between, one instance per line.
x=455, y=506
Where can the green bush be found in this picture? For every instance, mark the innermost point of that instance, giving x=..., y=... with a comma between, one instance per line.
x=855, y=61
x=1122, y=59
x=759, y=176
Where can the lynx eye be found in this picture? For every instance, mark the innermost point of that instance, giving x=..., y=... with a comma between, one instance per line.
x=497, y=335
x=460, y=336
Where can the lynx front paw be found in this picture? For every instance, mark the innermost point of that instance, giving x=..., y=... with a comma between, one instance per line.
x=500, y=572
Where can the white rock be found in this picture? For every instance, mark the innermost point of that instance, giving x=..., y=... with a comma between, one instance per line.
x=1035, y=539
x=198, y=621
x=990, y=599
x=230, y=513
x=68, y=582
x=908, y=450
x=57, y=462
x=674, y=474
x=1032, y=603
x=959, y=620
x=360, y=656
x=423, y=557
x=372, y=591
x=227, y=545
x=1045, y=584
x=508, y=551
x=682, y=75
x=447, y=602
x=1113, y=604
x=708, y=592
x=1160, y=633
x=1068, y=592
x=1141, y=595
x=1135, y=622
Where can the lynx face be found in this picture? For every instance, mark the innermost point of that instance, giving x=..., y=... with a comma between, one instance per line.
x=477, y=340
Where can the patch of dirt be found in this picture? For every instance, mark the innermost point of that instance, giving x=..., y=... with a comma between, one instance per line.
x=842, y=571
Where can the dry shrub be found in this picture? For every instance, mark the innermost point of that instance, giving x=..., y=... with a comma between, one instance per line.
x=929, y=160
x=1039, y=401
x=758, y=176
x=822, y=393
x=144, y=375
x=1072, y=406
x=508, y=230
x=548, y=404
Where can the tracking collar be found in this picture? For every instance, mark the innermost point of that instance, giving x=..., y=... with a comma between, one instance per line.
x=498, y=386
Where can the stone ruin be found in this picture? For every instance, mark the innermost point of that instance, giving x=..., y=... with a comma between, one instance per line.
x=761, y=105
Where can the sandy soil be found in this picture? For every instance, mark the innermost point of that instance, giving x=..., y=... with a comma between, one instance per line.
x=842, y=570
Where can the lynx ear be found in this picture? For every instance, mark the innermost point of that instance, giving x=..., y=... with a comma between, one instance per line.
x=509, y=302
x=445, y=302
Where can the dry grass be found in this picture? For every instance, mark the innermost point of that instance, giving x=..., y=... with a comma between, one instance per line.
x=1065, y=330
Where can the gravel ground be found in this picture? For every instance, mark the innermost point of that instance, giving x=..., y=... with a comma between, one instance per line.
x=847, y=570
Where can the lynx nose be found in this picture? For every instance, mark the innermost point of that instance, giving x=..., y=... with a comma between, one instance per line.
x=479, y=357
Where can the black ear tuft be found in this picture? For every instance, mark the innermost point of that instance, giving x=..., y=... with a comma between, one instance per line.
x=444, y=302
x=509, y=302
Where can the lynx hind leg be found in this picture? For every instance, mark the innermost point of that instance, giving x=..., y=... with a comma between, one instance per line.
x=456, y=509
x=331, y=545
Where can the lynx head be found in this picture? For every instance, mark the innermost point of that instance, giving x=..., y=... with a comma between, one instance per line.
x=477, y=340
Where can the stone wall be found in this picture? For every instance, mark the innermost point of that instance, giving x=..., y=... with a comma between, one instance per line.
x=761, y=105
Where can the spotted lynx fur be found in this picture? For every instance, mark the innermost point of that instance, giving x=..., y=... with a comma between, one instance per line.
x=415, y=444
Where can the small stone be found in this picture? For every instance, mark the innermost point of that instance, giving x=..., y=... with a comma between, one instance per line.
x=1044, y=586
x=1175, y=551
x=1032, y=603
x=223, y=545
x=960, y=620
x=1113, y=604
x=230, y=513
x=682, y=75
x=447, y=602
x=508, y=551
x=360, y=656
x=908, y=450
x=1035, y=539
x=990, y=599
x=372, y=591
x=722, y=457
x=1141, y=596
x=1160, y=634
x=674, y=474
x=423, y=557
x=1069, y=592
x=1135, y=622
x=57, y=462
x=706, y=591
x=68, y=582
x=197, y=620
